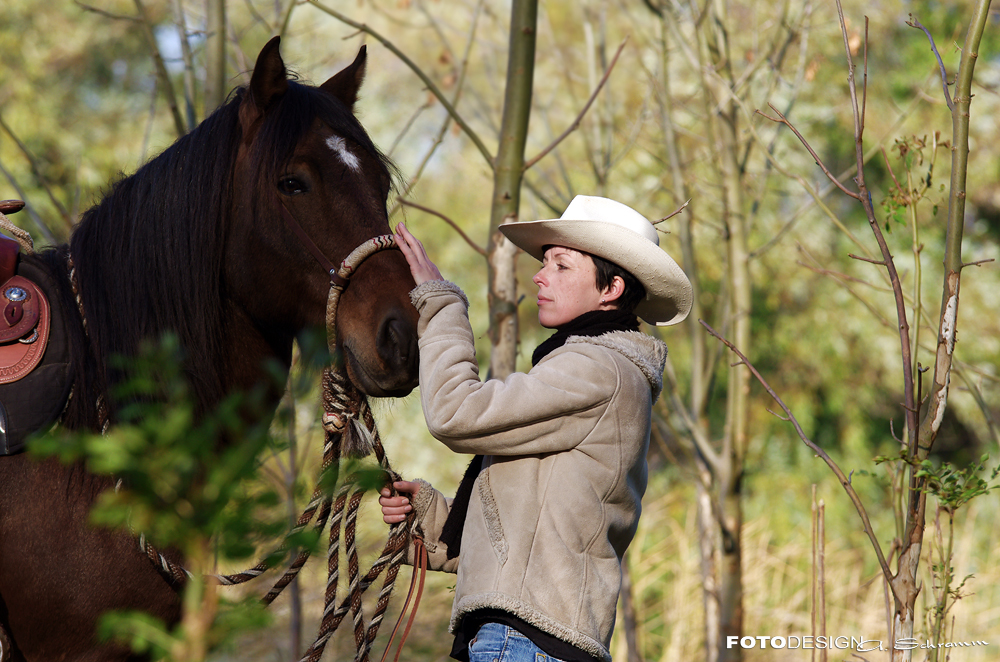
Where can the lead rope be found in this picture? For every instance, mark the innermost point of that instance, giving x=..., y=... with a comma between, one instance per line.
x=23, y=237
x=348, y=423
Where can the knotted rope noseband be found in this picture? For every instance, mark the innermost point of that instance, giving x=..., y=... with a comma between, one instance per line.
x=348, y=423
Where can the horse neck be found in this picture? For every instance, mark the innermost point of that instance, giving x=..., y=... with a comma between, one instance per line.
x=149, y=256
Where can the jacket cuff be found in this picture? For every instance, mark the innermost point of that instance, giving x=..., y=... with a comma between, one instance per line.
x=421, y=501
x=432, y=288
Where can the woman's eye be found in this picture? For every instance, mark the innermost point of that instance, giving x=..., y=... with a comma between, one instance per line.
x=291, y=186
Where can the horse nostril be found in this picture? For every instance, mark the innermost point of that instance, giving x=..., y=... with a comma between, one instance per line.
x=396, y=342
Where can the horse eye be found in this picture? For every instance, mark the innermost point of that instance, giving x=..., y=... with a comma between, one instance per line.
x=291, y=186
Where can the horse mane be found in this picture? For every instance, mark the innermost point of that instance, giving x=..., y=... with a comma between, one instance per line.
x=149, y=256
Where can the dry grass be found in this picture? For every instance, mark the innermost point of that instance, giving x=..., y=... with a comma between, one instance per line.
x=777, y=561
x=666, y=575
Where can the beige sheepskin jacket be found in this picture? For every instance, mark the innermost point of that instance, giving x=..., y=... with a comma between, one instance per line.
x=558, y=499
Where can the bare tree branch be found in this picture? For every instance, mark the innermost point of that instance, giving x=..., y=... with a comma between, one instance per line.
x=576, y=122
x=845, y=481
x=864, y=196
x=816, y=197
x=697, y=434
x=915, y=23
x=439, y=138
x=782, y=120
x=674, y=213
x=851, y=85
x=161, y=68
x=434, y=89
x=106, y=14
x=864, y=82
x=36, y=171
x=880, y=263
x=257, y=17
x=476, y=247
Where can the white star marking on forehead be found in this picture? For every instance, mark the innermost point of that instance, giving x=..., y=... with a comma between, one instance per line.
x=339, y=147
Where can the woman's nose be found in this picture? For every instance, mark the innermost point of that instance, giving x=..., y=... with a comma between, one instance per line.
x=537, y=278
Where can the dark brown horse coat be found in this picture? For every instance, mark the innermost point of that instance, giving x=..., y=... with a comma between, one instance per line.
x=193, y=244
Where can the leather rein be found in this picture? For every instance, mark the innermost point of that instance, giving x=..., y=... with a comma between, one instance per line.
x=311, y=246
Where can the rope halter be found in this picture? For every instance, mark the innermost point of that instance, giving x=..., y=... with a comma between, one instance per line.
x=349, y=429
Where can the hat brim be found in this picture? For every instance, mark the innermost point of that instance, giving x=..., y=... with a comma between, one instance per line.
x=668, y=290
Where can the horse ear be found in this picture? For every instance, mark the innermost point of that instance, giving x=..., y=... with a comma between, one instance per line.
x=345, y=84
x=268, y=82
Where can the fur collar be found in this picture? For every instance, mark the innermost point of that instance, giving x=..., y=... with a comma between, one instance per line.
x=649, y=354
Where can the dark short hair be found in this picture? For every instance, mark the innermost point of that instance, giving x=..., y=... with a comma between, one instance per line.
x=606, y=271
x=634, y=291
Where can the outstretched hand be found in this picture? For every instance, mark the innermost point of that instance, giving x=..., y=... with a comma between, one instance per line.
x=395, y=508
x=421, y=266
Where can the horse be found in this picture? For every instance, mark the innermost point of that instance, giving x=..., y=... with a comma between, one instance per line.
x=196, y=244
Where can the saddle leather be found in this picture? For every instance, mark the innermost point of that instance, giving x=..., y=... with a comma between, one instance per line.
x=23, y=304
x=34, y=349
x=9, y=249
x=23, y=342
x=11, y=206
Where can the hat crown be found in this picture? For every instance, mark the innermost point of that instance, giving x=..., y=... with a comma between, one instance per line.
x=605, y=210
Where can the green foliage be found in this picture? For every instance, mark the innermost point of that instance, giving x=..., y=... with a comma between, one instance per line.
x=139, y=631
x=183, y=473
x=145, y=634
x=78, y=88
x=917, y=182
x=148, y=635
x=955, y=487
x=188, y=480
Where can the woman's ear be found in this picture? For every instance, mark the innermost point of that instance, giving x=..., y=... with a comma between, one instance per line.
x=614, y=290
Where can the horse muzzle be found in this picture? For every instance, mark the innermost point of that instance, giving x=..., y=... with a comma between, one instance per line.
x=394, y=373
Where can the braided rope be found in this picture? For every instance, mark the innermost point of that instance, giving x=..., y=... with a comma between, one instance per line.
x=103, y=414
x=23, y=236
x=347, y=418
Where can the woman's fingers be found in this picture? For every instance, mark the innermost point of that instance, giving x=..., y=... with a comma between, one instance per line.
x=396, y=508
x=421, y=266
x=407, y=486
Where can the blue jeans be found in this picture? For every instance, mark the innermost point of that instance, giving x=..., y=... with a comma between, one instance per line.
x=501, y=643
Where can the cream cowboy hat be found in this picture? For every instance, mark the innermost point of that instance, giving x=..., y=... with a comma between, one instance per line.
x=619, y=234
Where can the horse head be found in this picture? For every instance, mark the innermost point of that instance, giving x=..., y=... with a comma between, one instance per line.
x=303, y=150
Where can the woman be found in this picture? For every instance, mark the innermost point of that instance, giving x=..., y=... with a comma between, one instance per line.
x=545, y=512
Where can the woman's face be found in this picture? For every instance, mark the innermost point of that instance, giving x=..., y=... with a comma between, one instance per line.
x=567, y=286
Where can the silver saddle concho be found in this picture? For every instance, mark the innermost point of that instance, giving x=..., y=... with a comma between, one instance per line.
x=24, y=330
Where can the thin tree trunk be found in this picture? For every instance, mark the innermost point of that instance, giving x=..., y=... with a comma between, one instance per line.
x=629, y=624
x=708, y=531
x=162, y=75
x=730, y=471
x=215, y=54
x=508, y=173
x=905, y=582
x=709, y=548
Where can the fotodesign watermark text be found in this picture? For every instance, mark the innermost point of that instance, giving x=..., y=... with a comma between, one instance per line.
x=823, y=642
